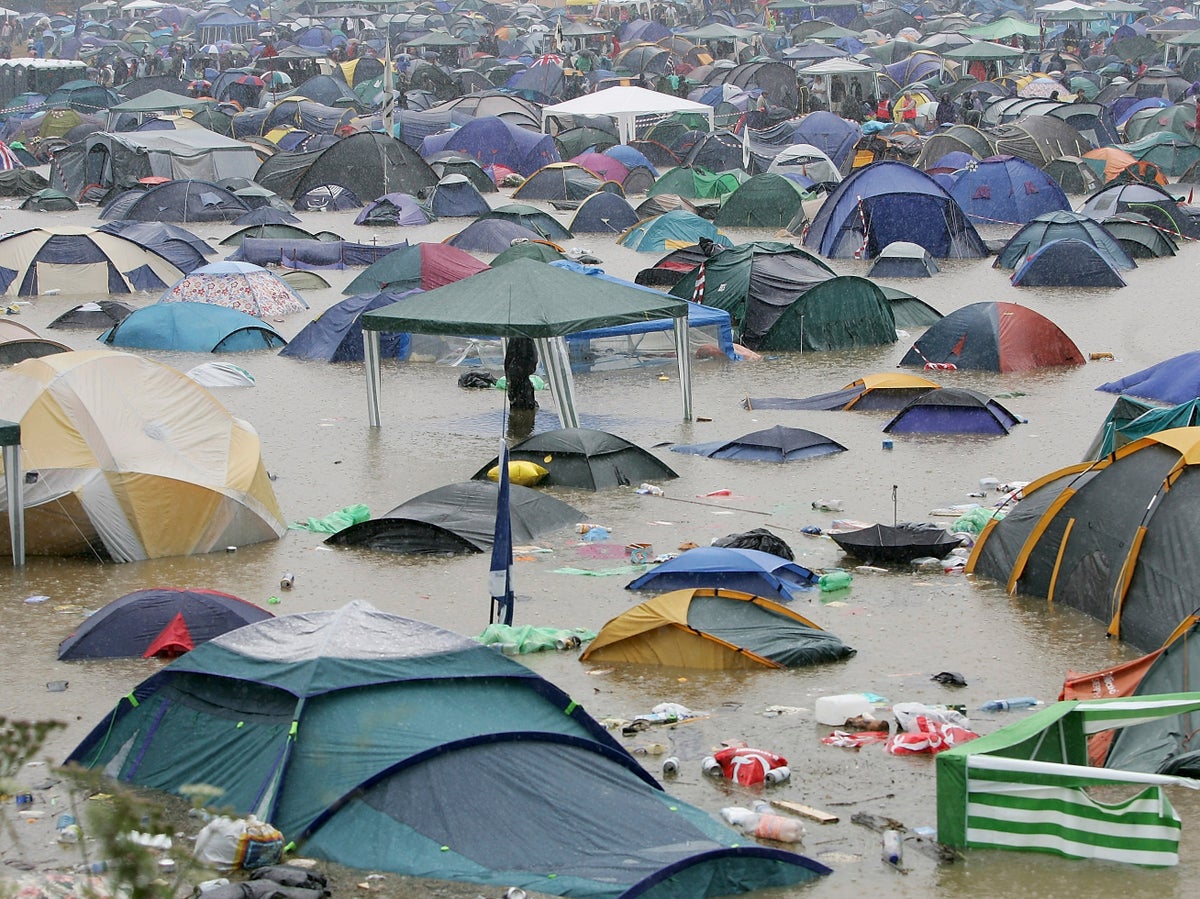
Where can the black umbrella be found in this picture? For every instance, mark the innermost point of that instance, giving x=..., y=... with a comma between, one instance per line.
x=899, y=543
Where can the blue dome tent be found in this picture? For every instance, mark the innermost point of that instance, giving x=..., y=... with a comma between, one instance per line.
x=886, y=202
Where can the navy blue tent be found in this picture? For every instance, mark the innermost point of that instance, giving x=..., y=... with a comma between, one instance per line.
x=1175, y=380
x=887, y=202
x=336, y=334
x=777, y=444
x=604, y=213
x=1006, y=190
x=163, y=621
x=456, y=197
x=1056, y=225
x=192, y=327
x=494, y=141
x=952, y=410
x=1067, y=262
x=727, y=568
x=183, y=249
x=831, y=134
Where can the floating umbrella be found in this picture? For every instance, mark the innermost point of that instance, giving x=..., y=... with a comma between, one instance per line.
x=777, y=444
x=899, y=543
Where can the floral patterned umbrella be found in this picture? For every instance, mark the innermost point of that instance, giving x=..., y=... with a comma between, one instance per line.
x=237, y=285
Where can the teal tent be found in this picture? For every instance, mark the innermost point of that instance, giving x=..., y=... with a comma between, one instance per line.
x=1131, y=418
x=381, y=742
x=670, y=230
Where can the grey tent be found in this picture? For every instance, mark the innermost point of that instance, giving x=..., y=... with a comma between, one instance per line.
x=587, y=459
x=902, y=259
x=458, y=518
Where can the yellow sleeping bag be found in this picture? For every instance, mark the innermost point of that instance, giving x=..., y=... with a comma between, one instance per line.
x=526, y=474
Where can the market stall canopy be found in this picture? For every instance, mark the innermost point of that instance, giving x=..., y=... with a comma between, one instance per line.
x=626, y=105
x=527, y=299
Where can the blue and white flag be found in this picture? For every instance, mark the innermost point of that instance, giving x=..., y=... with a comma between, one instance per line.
x=500, y=573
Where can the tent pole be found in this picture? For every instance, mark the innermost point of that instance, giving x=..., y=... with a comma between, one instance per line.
x=553, y=354
x=14, y=484
x=683, y=359
x=371, y=364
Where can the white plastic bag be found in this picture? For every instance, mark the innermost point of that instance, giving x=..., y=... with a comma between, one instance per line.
x=229, y=843
x=907, y=713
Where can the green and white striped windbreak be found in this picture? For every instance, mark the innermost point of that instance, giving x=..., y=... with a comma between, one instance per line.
x=1024, y=787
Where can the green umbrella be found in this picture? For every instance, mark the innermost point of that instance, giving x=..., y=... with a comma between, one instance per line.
x=1002, y=29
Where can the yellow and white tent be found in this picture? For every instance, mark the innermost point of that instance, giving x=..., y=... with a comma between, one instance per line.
x=130, y=459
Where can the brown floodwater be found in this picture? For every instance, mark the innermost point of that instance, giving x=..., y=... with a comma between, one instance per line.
x=906, y=626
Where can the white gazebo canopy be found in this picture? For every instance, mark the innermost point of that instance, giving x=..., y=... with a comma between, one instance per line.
x=626, y=105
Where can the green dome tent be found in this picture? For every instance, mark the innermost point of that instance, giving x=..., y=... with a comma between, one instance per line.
x=333, y=725
x=842, y=312
x=765, y=201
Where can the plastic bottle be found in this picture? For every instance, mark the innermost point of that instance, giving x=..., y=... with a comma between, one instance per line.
x=1004, y=705
x=64, y=820
x=834, y=580
x=893, y=847
x=564, y=643
x=827, y=505
x=764, y=826
x=712, y=767
x=670, y=766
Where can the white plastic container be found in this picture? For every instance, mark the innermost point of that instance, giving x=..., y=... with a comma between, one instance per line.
x=835, y=710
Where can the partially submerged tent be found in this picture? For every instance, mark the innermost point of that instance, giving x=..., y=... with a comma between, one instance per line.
x=765, y=201
x=559, y=181
x=727, y=568
x=74, y=260
x=890, y=201
x=952, y=410
x=528, y=299
x=994, y=337
x=603, y=213
x=456, y=195
x=160, y=621
x=1058, y=225
x=1006, y=190
x=1130, y=419
x=421, y=265
x=1067, y=262
x=92, y=315
x=458, y=518
x=236, y=285
x=336, y=334
x=394, y=209
x=420, y=793
x=670, y=231
x=714, y=629
x=192, y=328
x=1110, y=538
x=1026, y=787
x=840, y=313
x=177, y=201
x=129, y=459
x=888, y=391
x=1175, y=380
x=777, y=444
x=586, y=459
x=903, y=259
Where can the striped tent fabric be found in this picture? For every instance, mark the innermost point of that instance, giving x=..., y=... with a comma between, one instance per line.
x=1024, y=787
x=8, y=159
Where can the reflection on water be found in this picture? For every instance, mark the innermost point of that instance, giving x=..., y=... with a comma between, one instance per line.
x=905, y=626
